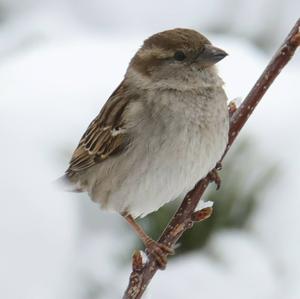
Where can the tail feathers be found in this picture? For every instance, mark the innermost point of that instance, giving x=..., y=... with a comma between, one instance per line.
x=64, y=183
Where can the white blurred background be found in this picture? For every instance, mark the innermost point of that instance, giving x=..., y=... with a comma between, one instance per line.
x=59, y=62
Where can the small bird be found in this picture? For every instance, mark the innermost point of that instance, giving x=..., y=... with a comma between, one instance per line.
x=163, y=128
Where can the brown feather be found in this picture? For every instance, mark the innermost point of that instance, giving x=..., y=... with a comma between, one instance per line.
x=100, y=140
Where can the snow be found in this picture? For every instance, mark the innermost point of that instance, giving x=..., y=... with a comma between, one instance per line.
x=51, y=246
x=42, y=87
x=204, y=204
x=274, y=127
x=234, y=265
x=247, y=19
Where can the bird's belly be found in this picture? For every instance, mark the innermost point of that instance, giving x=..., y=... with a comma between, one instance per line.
x=164, y=169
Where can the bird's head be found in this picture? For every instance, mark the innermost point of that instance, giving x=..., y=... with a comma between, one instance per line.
x=175, y=57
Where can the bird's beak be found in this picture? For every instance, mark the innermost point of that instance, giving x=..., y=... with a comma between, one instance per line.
x=211, y=54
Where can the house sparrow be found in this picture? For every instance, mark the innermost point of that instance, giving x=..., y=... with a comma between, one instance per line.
x=164, y=128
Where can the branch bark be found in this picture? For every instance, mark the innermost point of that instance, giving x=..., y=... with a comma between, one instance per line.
x=142, y=272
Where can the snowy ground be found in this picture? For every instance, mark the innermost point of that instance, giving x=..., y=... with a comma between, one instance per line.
x=50, y=249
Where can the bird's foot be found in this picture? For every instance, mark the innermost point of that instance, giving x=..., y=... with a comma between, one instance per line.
x=233, y=106
x=159, y=251
x=219, y=166
x=214, y=176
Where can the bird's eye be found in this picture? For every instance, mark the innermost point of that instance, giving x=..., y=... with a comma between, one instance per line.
x=179, y=55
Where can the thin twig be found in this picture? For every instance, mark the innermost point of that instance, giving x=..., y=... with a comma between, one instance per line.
x=185, y=216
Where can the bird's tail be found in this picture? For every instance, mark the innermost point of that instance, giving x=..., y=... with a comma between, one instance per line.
x=64, y=183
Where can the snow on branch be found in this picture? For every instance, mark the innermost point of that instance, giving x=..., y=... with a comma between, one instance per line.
x=144, y=269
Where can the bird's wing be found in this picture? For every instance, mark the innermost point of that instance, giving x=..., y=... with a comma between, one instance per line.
x=105, y=135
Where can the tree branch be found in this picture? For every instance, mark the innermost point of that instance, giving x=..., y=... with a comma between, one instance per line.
x=142, y=272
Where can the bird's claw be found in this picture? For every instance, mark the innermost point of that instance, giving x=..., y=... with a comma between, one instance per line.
x=214, y=177
x=160, y=252
x=219, y=166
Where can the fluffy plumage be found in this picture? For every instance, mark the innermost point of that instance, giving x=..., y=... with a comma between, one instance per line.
x=164, y=128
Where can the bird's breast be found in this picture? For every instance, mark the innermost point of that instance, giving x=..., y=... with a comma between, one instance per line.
x=185, y=134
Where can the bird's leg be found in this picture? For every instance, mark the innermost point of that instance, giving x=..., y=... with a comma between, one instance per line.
x=158, y=250
x=214, y=176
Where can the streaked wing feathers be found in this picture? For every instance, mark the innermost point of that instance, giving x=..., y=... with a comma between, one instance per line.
x=104, y=137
